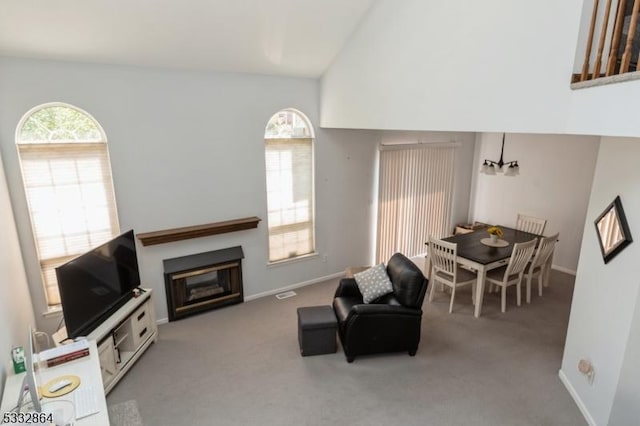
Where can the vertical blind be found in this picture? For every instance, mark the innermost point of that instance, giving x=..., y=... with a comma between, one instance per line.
x=289, y=166
x=414, y=198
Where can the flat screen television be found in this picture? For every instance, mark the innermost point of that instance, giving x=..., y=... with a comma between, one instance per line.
x=95, y=284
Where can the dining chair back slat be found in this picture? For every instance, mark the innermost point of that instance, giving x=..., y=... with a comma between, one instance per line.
x=513, y=273
x=520, y=257
x=539, y=263
x=445, y=270
x=530, y=224
x=443, y=257
x=545, y=248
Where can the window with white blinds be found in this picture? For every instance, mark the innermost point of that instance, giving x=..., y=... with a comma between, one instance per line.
x=290, y=196
x=414, y=198
x=67, y=180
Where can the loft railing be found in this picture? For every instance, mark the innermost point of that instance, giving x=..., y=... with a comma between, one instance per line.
x=618, y=40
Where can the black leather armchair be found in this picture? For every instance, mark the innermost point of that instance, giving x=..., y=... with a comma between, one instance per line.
x=390, y=323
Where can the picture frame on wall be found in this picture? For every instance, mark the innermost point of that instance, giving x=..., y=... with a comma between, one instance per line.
x=612, y=230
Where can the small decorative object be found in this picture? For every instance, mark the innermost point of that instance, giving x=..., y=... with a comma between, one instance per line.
x=613, y=230
x=17, y=356
x=495, y=233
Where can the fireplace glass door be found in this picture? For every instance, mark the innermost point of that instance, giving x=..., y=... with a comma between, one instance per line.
x=203, y=284
x=193, y=290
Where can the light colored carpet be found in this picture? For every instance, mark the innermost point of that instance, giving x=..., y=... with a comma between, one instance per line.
x=241, y=365
x=125, y=414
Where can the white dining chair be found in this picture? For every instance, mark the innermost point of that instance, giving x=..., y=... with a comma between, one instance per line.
x=530, y=224
x=512, y=273
x=538, y=264
x=445, y=269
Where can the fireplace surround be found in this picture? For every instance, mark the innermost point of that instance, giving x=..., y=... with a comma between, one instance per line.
x=203, y=281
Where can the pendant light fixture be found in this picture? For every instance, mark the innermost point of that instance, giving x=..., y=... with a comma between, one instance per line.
x=510, y=168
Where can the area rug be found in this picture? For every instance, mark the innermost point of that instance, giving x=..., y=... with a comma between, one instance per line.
x=125, y=414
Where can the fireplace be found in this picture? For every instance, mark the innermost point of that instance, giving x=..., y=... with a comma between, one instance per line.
x=203, y=281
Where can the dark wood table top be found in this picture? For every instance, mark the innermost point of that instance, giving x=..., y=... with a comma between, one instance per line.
x=470, y=247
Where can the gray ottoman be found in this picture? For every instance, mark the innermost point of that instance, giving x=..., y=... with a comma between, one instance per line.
x=317, y=327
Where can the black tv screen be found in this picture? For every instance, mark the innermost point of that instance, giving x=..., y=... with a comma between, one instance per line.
x=95, y=284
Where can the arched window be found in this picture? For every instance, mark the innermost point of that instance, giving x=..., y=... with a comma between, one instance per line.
x=290, y=199
x=67, y=181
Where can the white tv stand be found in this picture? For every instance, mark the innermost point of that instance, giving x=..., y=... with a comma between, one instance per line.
x=123, y=337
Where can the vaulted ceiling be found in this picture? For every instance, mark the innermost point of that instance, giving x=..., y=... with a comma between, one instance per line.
x=278, y=37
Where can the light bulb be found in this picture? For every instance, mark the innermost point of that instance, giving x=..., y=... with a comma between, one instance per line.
x=510, y=171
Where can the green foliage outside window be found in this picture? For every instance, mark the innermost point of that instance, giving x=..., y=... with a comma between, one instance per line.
x=59, y=124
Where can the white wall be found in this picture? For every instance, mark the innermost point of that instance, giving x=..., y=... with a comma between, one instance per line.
x=488, y=66
x=605, y=110
x=625, y=409
x=16, y=312
x=605, y=297
x=555, y=179
x=460, y=66
x=186, y=149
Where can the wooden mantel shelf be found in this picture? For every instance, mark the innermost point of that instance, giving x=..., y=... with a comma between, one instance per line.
x=188, y=232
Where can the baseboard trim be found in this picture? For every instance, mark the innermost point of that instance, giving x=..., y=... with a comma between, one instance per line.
x=565, y=270
x=576, y=398
x=293, y=286
x=278, y=290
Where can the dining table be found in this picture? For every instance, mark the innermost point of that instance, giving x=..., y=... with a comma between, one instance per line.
x=474, y=253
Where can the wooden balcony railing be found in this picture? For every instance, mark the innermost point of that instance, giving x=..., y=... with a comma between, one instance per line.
x=618, y=40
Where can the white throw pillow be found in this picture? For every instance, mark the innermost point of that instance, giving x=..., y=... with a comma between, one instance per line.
x=373, y=283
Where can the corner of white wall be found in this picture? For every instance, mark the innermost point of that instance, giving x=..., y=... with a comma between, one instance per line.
x=605, y=295
x=581, y=406
x=16, y=310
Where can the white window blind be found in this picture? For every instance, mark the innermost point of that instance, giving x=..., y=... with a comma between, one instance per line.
x=290, y=196
x=289, y=165
x=414, y=198
x=68, y=185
